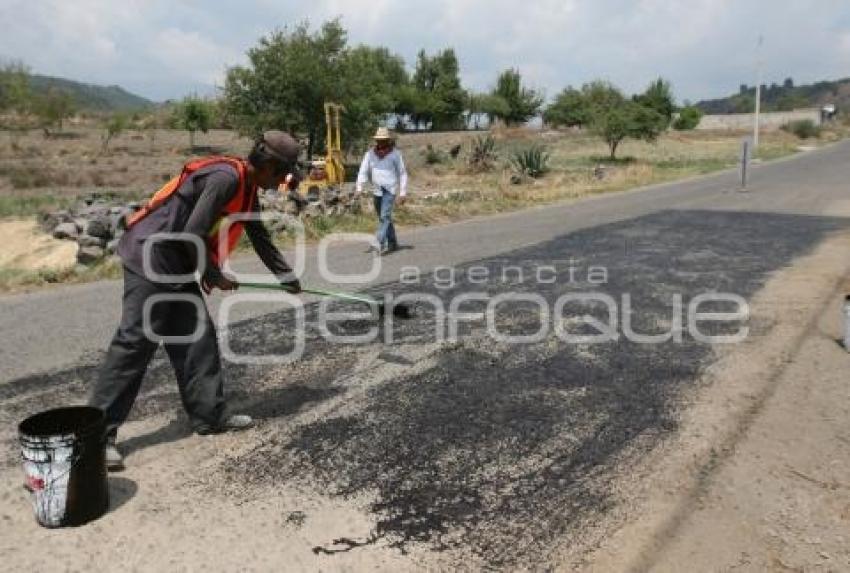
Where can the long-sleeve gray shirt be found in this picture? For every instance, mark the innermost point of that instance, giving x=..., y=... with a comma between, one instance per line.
x=195, y=208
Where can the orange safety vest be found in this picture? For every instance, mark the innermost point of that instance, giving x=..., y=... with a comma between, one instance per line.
x=242, y=202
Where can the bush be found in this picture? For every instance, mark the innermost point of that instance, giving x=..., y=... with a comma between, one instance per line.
x=804, y=128
x=689, y=118
x=570, y=108
x=615, y=121
x=522, y=103
x=115, y=125
x=433, y=156
x=193, y=114
x=533, y=161
x=482, y=154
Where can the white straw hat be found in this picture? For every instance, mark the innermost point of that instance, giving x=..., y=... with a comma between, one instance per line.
x=382, y=133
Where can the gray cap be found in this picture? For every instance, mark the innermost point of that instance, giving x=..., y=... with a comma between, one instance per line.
x=281, y=145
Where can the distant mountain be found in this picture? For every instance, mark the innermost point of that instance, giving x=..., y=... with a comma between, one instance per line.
x=92, y=97
x=782, y=97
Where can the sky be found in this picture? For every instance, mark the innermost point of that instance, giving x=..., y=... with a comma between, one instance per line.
x=166, y=49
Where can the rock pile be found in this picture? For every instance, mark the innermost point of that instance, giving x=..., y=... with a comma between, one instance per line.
x=96, y=223
x=314, y=202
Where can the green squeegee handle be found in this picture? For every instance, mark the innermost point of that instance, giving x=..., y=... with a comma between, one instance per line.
x=320, y=292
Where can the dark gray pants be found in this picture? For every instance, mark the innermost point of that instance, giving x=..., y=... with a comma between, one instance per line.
x=197, y=365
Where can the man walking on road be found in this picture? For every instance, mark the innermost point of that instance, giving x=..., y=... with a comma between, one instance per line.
x=195, y=204
x=384, y=167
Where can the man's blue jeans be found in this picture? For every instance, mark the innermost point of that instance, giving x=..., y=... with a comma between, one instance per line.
x=384, y=208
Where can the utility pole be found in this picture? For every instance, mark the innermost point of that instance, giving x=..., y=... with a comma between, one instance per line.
x=758, y=94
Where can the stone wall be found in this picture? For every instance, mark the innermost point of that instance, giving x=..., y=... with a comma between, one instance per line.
x=767, y=121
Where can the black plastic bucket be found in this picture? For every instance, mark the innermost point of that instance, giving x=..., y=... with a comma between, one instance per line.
x=63, y=452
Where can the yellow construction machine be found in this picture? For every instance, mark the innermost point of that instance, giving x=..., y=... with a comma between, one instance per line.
x=328, y=173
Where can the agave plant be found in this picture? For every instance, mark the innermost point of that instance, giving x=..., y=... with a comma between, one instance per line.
x=482, y=154
x=533, y=161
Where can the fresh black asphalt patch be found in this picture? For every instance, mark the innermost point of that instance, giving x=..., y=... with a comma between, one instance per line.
x=495, y=449
x=502, y=450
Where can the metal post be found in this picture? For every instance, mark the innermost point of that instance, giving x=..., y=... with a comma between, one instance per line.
x=758, y=95
x=745, y=156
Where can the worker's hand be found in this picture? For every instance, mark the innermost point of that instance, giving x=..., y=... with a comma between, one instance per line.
x=292, y=181
x=219, y=281
x=292, y=286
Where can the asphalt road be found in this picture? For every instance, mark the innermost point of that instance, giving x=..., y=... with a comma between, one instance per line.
x=60, y=327
x=479, y=446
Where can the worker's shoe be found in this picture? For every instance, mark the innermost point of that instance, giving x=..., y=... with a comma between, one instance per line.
x=114, y=459
x=233, y=423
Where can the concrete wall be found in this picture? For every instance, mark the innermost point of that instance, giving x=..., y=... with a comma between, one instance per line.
x=768, y=121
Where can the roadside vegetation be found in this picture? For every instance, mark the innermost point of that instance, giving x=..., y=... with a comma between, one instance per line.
x=14, y=279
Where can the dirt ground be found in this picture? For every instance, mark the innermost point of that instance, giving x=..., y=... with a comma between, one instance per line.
x=753, y=481
x=782, y=500
x=26, y=246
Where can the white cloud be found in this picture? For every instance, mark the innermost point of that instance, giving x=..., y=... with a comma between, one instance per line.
x=191, y=55
x=56, y=32
x=705, y=47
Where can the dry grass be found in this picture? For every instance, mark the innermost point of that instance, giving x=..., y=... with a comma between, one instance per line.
x=37, y=174
x=574, y=156
x=13, y=279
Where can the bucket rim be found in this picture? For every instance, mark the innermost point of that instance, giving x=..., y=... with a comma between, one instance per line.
x=92, y=420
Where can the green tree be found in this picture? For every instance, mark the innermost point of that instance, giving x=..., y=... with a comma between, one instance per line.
x=373, y=84
x=523, y=103
x=193, y=114
x=743, y=103
x=440, y=99
x=602, y=94
x=406, y=98
x=161, y=117
x=614, y=118
x=689, y=118
x=479, y=104
x=15, y=99
x=292, y=73
x=55, y=107
x=494, y=106
x=790, y=101
x=570, y=109
x=115, y=125
x=659, y=97
x=14, y=88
